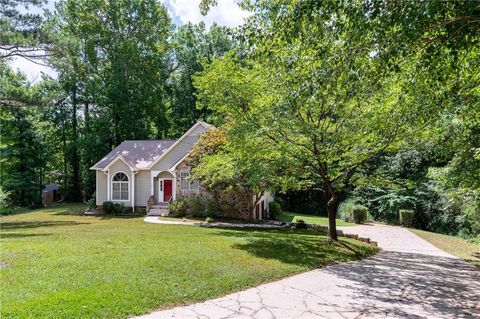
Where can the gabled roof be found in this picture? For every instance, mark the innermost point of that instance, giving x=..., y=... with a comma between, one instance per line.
x=143, y=154
x=137, y=154
x=193, y=128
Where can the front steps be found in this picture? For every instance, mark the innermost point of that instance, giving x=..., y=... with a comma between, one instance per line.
x=158, y=210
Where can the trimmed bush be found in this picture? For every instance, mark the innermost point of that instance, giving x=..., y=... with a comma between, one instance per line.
x=274, y=210
x=178, y=208
x=359, y=214
x=406, y=217
x=210, y=220
x=108, y=207
x=119, y=209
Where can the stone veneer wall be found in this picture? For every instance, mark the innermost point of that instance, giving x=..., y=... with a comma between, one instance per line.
x=234, y=202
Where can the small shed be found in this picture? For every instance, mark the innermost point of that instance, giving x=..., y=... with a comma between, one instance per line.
x=50, y=193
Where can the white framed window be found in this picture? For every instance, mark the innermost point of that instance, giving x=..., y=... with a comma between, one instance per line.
x=120, y=187
x=186, y=183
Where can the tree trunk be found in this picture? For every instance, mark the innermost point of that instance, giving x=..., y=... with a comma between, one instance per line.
x=332, y=214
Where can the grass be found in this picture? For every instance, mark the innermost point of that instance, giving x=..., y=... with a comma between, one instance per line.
x=310, y=219
x=459, y=247
x=59, y=265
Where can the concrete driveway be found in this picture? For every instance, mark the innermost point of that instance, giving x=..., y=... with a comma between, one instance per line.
x=409, y=279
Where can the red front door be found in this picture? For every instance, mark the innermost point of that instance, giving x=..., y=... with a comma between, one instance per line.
x=167, y=190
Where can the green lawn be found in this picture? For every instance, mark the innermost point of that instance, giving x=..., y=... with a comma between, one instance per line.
x=453, y=245
x=58, y=265
x=310, y=219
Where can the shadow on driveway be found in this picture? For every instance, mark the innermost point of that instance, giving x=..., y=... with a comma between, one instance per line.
x=392, y=282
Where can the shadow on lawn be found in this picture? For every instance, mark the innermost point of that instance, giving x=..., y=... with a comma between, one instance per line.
x=108, y=217
x=37, y=224
x=9, y=235
x=297, y=247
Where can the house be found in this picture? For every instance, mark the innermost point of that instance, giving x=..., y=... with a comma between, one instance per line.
x=150, y=173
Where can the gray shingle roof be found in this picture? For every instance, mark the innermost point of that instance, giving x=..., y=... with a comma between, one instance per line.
x=138, y=153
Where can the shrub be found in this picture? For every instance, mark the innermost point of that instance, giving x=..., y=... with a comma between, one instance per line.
x=178, y=207
x=274, y=209
x=119, y=209
x=140, y=211
x=213, y=208
x=5, y=211
x=359, y=214
x=92, y=202
x=108, y=207
x=197, y=207
x=4, y=206
x=406, y=217
x=210, y=220
x=345, y=209
x=114, y=208
x=301, y=224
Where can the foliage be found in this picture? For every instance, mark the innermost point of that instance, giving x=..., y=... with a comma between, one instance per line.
x=108, y=207
x=406, y=217
x=178, y=207
x=23, y=32
x=196, y=207
x=209, y=220
x=140, y=257
x=359, y=214
x=327, y=139
x=193, y=47
x=274, y=210
x=4, y=206
x=305, y=201
x=92, y=202
x=344, y=210
x=221, y=165
x=351, y=212
x=300, y=224
x=22, y=156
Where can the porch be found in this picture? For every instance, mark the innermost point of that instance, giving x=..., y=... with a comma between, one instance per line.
x=163, y=190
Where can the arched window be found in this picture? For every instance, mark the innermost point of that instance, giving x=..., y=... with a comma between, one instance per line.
x=120, y=186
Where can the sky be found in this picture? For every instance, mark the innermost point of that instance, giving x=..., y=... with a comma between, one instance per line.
x=226, y=13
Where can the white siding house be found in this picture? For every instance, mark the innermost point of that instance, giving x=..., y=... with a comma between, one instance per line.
x=142, y=171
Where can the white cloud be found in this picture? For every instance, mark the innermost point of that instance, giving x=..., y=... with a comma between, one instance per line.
x=226, y=13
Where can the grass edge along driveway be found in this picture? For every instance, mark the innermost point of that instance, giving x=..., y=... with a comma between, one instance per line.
x=468, y=251
x=310, y=219
x=67, y=266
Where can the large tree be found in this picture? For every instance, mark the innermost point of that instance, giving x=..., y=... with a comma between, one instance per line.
x=22, y=156
x=193, y=47
x=23, y=32
x=337, y=83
